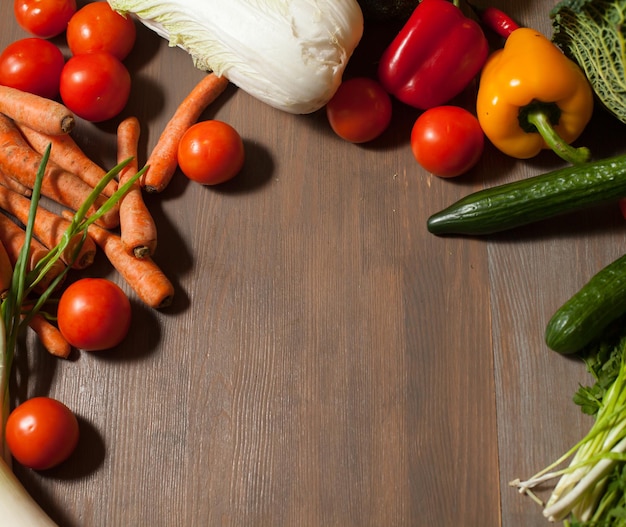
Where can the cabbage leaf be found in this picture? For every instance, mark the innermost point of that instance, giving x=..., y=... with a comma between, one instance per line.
x=591, y=33
x=290, y=54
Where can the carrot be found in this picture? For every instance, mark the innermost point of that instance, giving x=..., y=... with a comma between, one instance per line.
x=6, y=271
x=162, y=161
x=19, y=161
x=50, y=336
x=49, y=228
x=40, y=113
x=137, y=228
x=13, y=237
x=15, y=186
x=68, y=155
x=143, y=275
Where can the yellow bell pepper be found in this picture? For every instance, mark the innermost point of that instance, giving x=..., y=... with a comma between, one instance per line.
x=531, y=97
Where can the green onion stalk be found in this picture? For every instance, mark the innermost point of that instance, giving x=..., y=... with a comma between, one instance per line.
x=590, y=488
x=17, y=507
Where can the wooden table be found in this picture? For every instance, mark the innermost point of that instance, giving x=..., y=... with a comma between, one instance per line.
x=327, y=361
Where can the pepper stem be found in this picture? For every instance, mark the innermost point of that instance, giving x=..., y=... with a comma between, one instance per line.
x=541, y=121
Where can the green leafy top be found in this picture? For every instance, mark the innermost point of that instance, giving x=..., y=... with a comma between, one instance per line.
x=591, y=33
x=603, y=362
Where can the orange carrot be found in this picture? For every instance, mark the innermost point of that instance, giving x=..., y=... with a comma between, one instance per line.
x=50, y=336
x=49, y=228
x=137, y=227
x=15, y=186
x=69, y=156
x=162, y=161
x=6, y=271
x=13, y=237
x=19, y=161
x=143, y=275
x=44, y=115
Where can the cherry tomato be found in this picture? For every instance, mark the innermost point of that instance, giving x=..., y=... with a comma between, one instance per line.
x=360, y=110
x=94, y=314
x=33, y=65
x=447, y=140
x=41, y=433
x=211, y=152
x=44, y=18
x=97, y=27
x=95, y=86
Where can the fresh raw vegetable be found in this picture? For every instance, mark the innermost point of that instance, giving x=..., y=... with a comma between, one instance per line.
x=163, y=161
x=14, y=185
x=95, y=86
x=211, y=152
x=591, y=33
x=533, y=199
x=360, y=110
x=138, y=230
x=49, y=228
x=94, y=314
x=44, y=18
x=291, y=55
x=17, y=507
x=96, y=27
x=41, y=114
x=69, y=156
x=586, y=315
x=447, y=141
x=33, y=65
x=143, y=275
x=387, y=10
x=41, y=433
x=434, y=57
x=19, y=160
x=496, y=20
x=50, y=337
x=590, y=489
x=13, y=238
x=531, y=97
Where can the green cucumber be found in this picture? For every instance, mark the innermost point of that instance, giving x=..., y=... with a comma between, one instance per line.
x=587, y=314
x=533, y=199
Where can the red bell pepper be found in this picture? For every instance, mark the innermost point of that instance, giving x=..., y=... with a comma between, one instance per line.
x=434, y=57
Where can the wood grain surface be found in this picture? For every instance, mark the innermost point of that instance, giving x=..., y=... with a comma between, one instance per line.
x=326, y=362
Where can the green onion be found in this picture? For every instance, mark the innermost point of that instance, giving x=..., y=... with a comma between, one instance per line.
x=586, y=487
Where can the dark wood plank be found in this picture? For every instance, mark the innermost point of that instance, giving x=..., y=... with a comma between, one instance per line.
x=326, y=360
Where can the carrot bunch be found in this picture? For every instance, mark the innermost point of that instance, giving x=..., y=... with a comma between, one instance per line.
x=31, y=127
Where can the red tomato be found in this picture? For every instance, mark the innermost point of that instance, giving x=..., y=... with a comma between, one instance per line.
x=447, y=140
x=211, y=152
x=44, y=18
x=41, y=433
x=33, y=65
x=95, y=86
x=96, y=27
x=94, y=314
x=360, y=110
